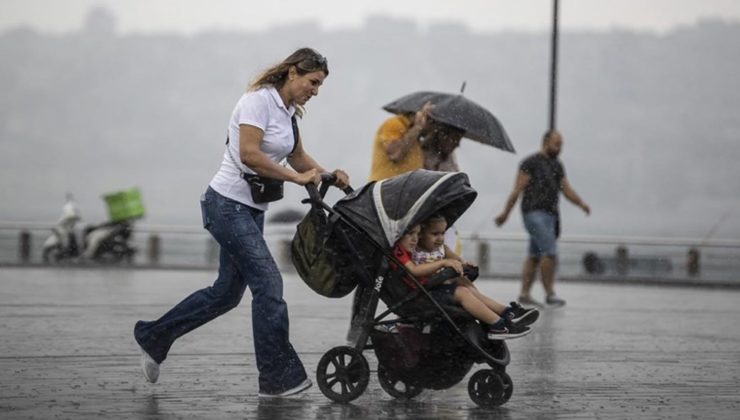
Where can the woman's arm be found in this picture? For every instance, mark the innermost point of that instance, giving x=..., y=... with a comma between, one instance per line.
x=301, y=161
x=250, y=139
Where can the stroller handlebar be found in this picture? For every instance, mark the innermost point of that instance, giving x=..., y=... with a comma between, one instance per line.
x=317, y=193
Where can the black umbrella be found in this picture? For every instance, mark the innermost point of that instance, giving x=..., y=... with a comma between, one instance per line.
x=458, y=111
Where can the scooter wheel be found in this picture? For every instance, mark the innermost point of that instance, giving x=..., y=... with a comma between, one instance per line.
x=51, y=255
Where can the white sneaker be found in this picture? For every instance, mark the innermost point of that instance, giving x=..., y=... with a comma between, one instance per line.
x=300, y=388
x=149, y=367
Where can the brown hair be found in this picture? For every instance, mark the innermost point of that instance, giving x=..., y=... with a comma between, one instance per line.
x=305, y=60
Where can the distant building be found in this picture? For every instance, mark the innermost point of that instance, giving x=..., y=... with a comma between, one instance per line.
x=100, y=21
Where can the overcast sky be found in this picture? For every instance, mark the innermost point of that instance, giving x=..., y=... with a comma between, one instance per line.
x=192, y=16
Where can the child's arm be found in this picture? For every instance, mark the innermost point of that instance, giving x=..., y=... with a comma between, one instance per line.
x=427, y=269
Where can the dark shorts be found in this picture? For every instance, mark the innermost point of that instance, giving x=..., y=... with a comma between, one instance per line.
x=443, y=294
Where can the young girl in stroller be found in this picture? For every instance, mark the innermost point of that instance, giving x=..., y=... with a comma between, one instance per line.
x=422, y=251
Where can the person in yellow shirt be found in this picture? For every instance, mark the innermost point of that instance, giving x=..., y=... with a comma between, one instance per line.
x=397, y=144
x=405, y=142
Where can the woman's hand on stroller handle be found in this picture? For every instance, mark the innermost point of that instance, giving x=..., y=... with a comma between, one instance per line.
x=310, y=177
x=337, y=178
x=341, y=179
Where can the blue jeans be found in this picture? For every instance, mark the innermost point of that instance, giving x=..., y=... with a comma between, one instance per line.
x=245, y=261
x=542, y=233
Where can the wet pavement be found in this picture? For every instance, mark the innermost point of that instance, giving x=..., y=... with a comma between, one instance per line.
x=614, y=352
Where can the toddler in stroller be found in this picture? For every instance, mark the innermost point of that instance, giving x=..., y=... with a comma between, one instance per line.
x=419, y=343
x=422, y=251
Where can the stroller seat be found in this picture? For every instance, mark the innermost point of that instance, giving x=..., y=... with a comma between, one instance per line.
x=414, y=304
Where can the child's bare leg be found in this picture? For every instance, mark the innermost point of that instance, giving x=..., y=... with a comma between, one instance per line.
x=492, y=304
x=474, y=306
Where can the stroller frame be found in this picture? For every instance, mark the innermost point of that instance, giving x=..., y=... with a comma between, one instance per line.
x=343, y=372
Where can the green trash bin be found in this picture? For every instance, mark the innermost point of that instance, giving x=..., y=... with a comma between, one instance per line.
x=124, y=205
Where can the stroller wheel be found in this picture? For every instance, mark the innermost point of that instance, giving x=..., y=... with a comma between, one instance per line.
x=342, y=374
x=508, y=386
x=487, y=388
x=395, y=387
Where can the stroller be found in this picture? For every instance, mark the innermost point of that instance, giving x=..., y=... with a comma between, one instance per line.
x=419, y=344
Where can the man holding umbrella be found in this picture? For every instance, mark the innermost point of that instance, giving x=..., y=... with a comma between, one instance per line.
x=541, y=177
x=426, y=129
x=412, y=140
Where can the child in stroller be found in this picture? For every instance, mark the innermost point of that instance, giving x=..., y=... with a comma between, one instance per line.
x=349, y=246
x=422, y=251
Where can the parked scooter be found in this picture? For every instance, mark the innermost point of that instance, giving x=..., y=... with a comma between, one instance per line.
x=106, y=243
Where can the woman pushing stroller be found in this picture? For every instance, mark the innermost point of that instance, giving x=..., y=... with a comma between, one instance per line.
x=422, y=251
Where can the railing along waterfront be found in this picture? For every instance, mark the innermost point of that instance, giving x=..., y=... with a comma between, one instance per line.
x=499, y=255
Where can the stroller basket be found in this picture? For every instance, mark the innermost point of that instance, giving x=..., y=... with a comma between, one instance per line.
x=330, y=255
x=319, y=254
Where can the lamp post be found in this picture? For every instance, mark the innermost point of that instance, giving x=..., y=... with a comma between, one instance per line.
x=554, y=65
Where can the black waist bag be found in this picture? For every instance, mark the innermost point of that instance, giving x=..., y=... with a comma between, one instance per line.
x=264, y=190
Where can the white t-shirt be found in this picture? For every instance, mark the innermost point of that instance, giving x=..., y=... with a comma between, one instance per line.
x=265, y=110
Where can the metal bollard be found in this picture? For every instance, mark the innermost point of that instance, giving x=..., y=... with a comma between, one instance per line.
x=24, y=247
x=484, y=261
x=592, y=264
x=622, y=262
x=693, y=259
x=153, y=249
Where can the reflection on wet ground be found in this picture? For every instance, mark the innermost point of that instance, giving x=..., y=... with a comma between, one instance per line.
x=612, y=352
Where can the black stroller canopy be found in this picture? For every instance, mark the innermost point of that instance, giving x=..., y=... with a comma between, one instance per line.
x=385, y=209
